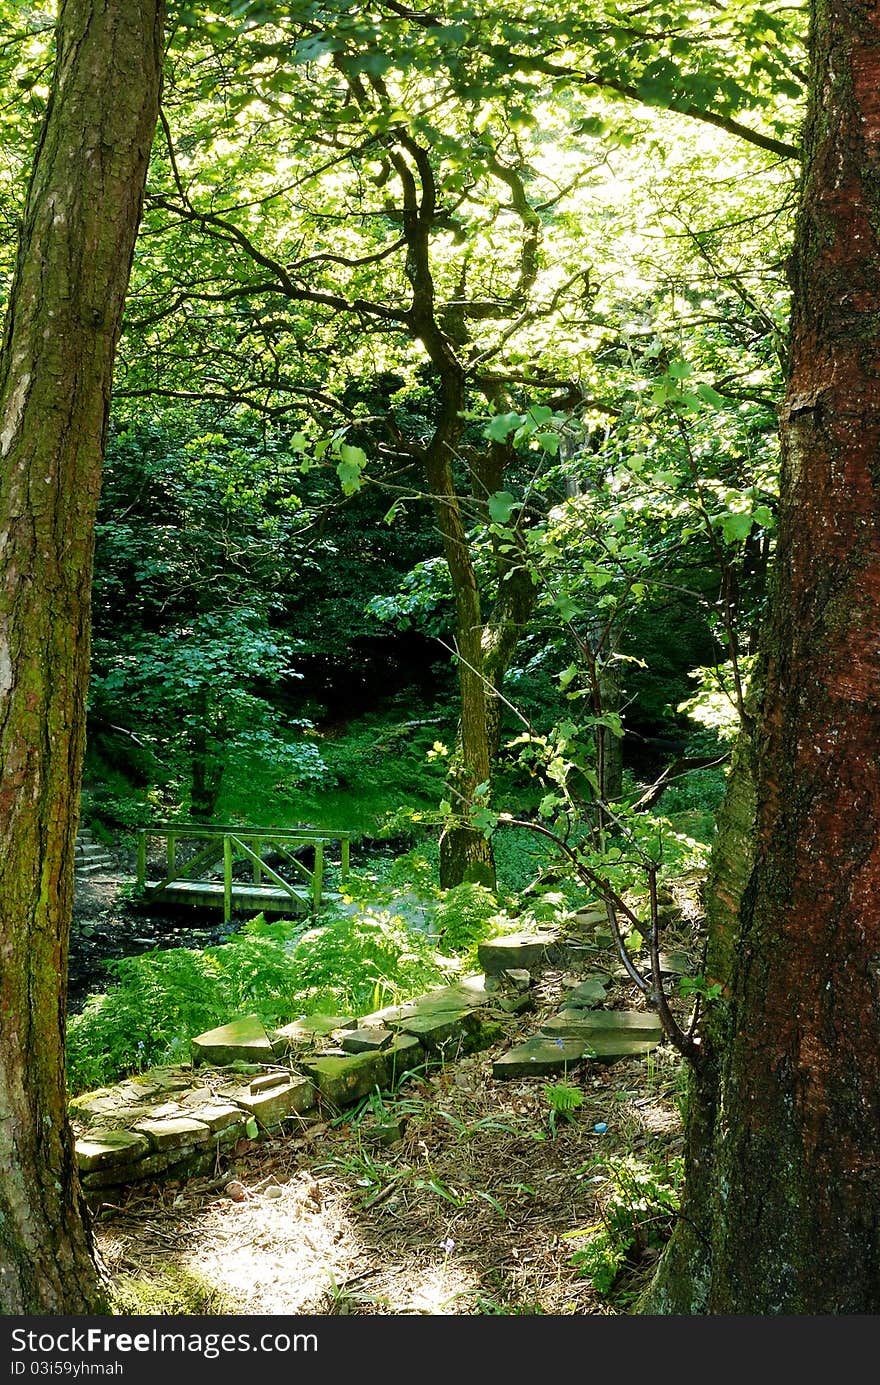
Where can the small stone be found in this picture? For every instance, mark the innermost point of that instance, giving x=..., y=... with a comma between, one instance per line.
x=388, y=1132
x=518, y=977
x=589, y=917
x=676, y=964
x=586, y=994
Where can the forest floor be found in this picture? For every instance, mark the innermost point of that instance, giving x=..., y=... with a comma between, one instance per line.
x=479, y=1207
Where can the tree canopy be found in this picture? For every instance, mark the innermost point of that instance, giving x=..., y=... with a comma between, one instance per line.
x=446, y=396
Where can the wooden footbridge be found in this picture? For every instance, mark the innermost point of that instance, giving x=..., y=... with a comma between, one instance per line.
x=210, y=876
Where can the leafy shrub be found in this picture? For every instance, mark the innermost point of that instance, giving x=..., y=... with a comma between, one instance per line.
x=160, y=1000
x=463, y=916
x=363, y=961
x=638, y=1210
x=157, y=1003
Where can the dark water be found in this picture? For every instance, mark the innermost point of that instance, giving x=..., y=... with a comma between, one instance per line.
x=101, y=936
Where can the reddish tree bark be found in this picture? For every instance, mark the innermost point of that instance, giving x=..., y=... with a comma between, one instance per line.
x=783, y=1203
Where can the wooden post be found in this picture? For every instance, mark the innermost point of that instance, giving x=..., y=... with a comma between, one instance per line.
x=318, y=877
x=258, y=873
x=142, y=858
x=227, y=878
x=345, y=857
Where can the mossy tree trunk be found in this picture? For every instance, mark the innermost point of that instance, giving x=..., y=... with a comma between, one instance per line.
x=783, y=1200
x=62, y=326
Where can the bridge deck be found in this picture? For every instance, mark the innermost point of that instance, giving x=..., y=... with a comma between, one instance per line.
x=267, y=899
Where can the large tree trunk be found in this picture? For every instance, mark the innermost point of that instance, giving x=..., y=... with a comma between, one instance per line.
x=56, y=366
x=786, y=1200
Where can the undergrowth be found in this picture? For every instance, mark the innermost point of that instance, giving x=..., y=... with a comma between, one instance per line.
x=160, y=1000
x=638, y=1203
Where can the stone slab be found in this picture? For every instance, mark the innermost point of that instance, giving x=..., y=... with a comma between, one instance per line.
x=516, y=951
x=244, y=1039
x=605, y=1047
x=370, y=1039
x=102, y=1148
x=676, y=964
x=269, y=1080
x=169, y=1079
x=576, y=1024
x=270, y=1107
x=344, y=1079
x=308, y=1029
x=540, y=1056
x=218, y=1115
x=173, y=1133
x=186, y=1160
x=403, y=1054
x=590, y=917
x=446, y=1031
x=108, y=1109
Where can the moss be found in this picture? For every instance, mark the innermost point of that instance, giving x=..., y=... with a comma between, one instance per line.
x=171, y=1292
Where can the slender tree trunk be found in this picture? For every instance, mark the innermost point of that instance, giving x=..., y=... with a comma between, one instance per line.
x=786, y=1201
x=206, y=764
x=62, y=327
x=465, y=853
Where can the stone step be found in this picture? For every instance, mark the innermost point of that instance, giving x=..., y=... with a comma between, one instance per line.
x=85, y=850
x=101, y=867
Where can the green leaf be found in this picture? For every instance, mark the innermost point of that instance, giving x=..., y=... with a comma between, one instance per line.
x=710, y=396
x=501, y=505
x=679, y=370
x=484, y=820
x=736, y=528
x=567, y=675
x=350, y=468
x=502, y=425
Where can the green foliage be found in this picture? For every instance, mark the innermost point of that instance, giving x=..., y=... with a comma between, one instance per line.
x=353, y=962
x=363, y=961
x=156, y=1004
x=713, y=705
x=638, y=1205
x=563, y=1100
x=464, y=916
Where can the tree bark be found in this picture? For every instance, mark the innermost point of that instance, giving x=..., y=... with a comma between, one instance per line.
x=62, y=326
x=786, y=1201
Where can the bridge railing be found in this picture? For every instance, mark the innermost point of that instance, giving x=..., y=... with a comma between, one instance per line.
x=225, y=843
